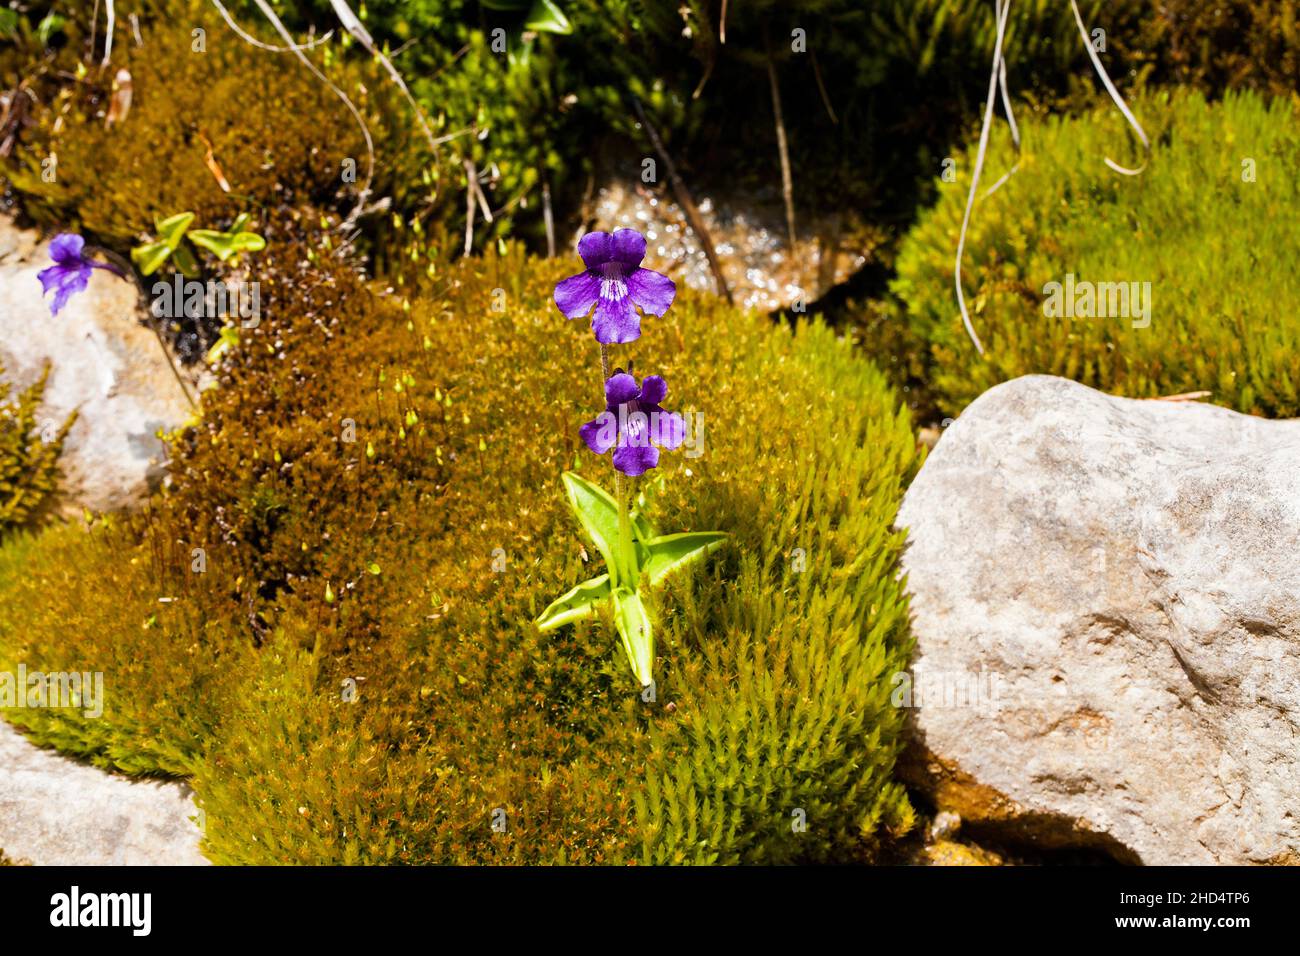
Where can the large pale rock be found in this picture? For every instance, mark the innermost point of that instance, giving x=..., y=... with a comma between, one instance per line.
x=103, y=363
x=1106, y=600
x=55, y=811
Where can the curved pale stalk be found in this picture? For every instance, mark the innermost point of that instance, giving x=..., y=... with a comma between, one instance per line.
x=1001, y=10
x=270, y=47
x=998, y=79
x=1114, y=95
x=352, y=23
x=1011, y=123
x=108, y=33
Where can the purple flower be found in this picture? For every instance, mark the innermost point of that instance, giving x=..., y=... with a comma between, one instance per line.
x=71, y=270
x=634, y=422
x=614, y=282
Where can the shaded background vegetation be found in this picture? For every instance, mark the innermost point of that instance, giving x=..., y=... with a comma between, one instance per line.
x=885, y=91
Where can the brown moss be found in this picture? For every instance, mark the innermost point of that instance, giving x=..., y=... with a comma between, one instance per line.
x=274, y=132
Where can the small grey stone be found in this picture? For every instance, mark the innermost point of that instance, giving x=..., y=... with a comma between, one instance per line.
x=945, y=825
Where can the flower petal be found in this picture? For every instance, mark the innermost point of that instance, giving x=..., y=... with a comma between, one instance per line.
x=615, y=321
x=651, y=290
x=621, y=389
x=65, y=248
x=667, y=429
x=635, y=427
x=596, y=248
x=69, y=282
x=633, y=460
x=601, y=432
x=628, y=247
x=577, y=294
x=51, y=277
x=654, y=389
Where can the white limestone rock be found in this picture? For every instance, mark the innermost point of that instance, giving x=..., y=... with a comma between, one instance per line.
x=1106, y=602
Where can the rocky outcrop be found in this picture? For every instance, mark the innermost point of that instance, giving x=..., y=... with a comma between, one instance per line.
x=103, y=363
x=1106, y=601
x=55, y=811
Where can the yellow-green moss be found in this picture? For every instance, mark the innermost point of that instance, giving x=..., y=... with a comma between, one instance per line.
x=308, y=621
x=1206, y=226
x=29, y=461
x=772, y=701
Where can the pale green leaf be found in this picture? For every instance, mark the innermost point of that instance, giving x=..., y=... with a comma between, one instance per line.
x=229, y=337
x=185, y=261
x=669, y=552
x=642, y=527
x=223, y=245
x=248, y=242
x=582, y=601
x=634, y=628
x=597, y=512
x=150, y=257
x=546, y=17
x=171, y=229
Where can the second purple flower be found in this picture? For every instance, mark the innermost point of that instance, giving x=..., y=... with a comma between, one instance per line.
x=634, y=424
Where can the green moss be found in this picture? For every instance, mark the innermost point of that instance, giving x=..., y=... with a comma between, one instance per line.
x=773, y=683
x=164, y=665
x=29, y=461
x=1216, y=246
x=308, y=622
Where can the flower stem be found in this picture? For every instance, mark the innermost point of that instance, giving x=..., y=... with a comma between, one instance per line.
x=175, y=371
x=626, y=546
x=122, y=269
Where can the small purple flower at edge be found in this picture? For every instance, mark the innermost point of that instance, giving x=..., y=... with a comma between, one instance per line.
x=614, y=283
x=70, y=273
x=634, y=422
